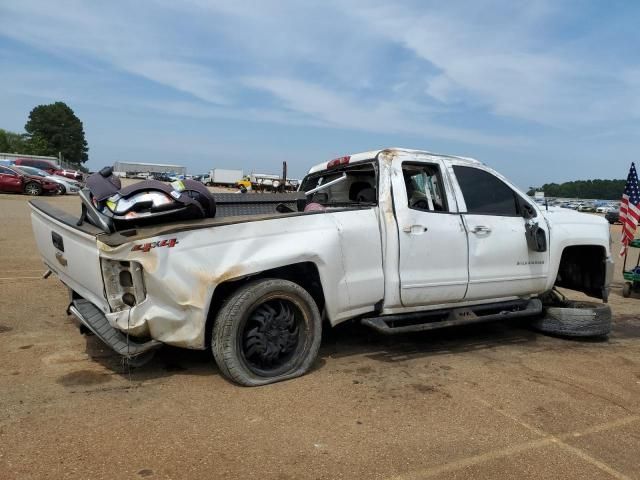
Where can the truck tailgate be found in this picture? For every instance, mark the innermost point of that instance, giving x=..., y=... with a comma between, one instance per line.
x=69, y=251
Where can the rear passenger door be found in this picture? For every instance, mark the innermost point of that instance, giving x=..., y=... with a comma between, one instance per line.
x=432, y=238
x=501, y=264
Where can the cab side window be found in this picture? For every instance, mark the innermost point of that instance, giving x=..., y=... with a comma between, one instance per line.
x=425, y=190
x=486, y=194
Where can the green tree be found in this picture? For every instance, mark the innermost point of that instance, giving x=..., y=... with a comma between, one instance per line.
x=600, y=189
x=4, y=142
x=37, y=145
x=55, y=128
x=11, y=142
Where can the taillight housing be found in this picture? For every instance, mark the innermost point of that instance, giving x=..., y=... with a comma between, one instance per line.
x=123, y=283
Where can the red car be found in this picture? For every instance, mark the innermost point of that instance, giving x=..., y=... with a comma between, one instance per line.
x=48, y=166
x=14, y=181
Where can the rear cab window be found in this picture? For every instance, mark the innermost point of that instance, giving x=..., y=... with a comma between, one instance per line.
x=424, y=187
x=359, y=187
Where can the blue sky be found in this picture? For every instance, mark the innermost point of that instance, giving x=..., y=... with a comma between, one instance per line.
x=542, y=91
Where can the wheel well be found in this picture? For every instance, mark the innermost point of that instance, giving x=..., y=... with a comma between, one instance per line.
x=304, y=274
x=583, y=268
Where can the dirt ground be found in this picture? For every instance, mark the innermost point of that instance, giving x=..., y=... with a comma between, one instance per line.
x=494, y=400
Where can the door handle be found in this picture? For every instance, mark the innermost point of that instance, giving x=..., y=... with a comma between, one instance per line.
x=415, y=229
x=480, y=229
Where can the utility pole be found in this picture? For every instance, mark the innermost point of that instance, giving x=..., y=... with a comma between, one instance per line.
x=284, y=176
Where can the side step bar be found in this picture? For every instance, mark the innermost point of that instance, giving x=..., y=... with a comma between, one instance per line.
x=431, y=320
x=92, y=318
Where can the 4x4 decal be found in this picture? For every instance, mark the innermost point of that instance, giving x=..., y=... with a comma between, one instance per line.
x=145, y=247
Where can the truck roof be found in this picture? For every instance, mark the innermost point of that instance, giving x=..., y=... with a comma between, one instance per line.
x=370, y=155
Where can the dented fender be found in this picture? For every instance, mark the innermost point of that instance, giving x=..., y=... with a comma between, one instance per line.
x=181, y=272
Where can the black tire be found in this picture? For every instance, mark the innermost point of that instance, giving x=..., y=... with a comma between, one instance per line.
x=61, y=190
x=33, y=188
x=626, y=289
x=575, y=319
x=140, y=360
x=267, y=331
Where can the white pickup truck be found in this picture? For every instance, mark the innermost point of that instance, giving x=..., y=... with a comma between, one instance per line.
x=401, y=240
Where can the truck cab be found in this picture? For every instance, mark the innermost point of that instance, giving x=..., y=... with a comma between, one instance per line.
x=455, y=231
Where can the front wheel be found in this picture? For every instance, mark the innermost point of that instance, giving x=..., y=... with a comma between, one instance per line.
x=32, y=188
x=267, y=331
x=61, y=190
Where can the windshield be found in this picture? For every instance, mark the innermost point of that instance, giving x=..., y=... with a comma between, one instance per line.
x=32, y=171
x=359, y=186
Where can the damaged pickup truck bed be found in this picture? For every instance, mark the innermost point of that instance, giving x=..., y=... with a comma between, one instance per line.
x=402, y=240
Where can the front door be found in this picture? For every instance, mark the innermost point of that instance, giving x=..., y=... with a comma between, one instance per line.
x=433, y=241
x=10, y=181
x=501, y=264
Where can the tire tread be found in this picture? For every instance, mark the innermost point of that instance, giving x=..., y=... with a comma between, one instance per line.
x=223, y=337
x=575, y=319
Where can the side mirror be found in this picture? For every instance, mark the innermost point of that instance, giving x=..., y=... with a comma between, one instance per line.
x=536, y=237
x=527, y=210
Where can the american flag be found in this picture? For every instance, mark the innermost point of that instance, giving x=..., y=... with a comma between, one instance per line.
x=630, y=208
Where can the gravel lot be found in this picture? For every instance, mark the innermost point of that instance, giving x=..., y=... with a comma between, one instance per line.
x=494, y=400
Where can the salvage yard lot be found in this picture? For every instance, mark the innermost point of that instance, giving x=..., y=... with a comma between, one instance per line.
x=474, y=402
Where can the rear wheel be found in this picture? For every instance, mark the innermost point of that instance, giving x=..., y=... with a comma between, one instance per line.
x=32, y=188
x=267, y=331
x=61, y=190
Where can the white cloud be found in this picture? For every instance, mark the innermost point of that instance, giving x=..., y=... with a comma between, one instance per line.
x=501, y=59
x=104, y=35
x=196, y=80
x=386, y=117
x=430, y=70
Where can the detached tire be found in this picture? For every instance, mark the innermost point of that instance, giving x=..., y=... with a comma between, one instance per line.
x=267, y=331
x=575, y=319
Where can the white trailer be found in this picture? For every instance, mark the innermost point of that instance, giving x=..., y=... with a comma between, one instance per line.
x=221, y=176
x=269, y=182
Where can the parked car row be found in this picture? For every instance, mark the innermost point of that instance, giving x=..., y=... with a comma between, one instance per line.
x=613, y=216
x=609, y=208
x=596, y=207
x=13, y=180
x=35, y=177
x=49, y=167
x=65, y=185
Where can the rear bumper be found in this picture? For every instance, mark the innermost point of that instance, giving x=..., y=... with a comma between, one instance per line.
x=93, y=319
